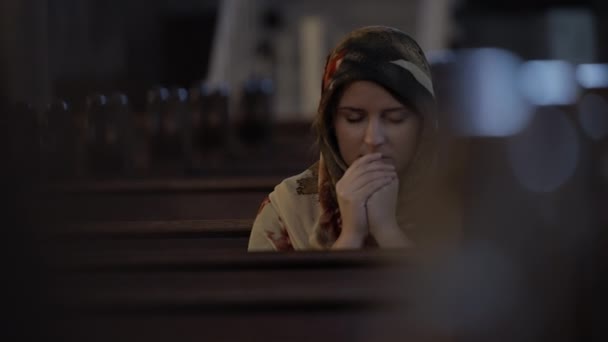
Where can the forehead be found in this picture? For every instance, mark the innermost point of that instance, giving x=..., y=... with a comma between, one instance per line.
x=364, y=94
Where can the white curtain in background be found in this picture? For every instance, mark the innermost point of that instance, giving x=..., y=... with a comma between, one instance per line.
x=312, y=61
x=233, y=46
x=434, y=25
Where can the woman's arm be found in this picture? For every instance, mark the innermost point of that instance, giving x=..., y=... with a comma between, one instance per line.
x=391, y=236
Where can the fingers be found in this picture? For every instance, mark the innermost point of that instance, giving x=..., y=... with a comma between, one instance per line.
x=378, y=166
x=371, y=187
x=394, y=181
x=371, y=176
x=364, y=177
x=367, y=163
x=367, y=159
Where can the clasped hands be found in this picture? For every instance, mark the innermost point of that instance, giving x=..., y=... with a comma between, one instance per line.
x=367, y=197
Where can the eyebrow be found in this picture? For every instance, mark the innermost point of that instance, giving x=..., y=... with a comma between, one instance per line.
x=359, y=110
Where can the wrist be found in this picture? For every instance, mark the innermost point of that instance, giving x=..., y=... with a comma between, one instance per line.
x=349, y=240
x=391, y=236
x=389, y=226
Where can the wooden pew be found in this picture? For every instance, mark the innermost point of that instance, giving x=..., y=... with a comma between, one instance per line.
x=228, y=183
x=133, y=237
x=193, y=296
x=169, y=199
x=299, y=296
x=368, y=295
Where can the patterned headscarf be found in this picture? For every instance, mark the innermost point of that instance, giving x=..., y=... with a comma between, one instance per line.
x=395, y=61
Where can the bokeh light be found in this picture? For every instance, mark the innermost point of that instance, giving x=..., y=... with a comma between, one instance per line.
x=487, y=100
x=592, y=75
x=546, y=153
x=593, y=116
x=182, y=94
x=550, y=82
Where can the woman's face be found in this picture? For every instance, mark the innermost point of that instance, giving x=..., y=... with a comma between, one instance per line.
x=369, y=119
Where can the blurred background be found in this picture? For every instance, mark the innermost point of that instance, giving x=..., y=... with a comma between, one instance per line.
x=116, y=112
x=221, y=74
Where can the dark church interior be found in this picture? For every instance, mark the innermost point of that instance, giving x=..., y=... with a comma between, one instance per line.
x=138, y=139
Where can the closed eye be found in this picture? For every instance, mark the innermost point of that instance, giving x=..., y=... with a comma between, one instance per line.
x=396, y=116
x=352, y=115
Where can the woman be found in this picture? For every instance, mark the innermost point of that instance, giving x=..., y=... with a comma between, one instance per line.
x=376, y=127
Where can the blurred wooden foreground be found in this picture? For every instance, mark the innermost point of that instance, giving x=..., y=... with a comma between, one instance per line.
x=190, y=295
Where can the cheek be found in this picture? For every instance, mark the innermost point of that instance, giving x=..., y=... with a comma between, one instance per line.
x=405, y=142
x=349, y=141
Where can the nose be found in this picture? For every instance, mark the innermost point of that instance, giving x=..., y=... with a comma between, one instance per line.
x=374, y=133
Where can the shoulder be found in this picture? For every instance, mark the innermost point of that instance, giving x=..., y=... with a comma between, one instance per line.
x=295, y=207
x=303, y=184
x=297, y=192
